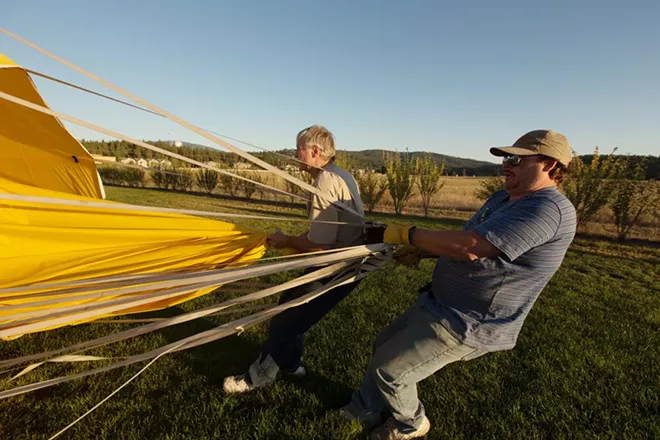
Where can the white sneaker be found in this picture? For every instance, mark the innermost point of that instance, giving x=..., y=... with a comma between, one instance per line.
x=346, y=413
x=237, y=384
x=298, y=372
x=389, y=431
x=242, y=384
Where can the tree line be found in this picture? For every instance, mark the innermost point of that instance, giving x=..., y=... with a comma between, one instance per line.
x=615, y=181
x=594, y=182
x=403, y=174
x=376, y=160
x=185, y=179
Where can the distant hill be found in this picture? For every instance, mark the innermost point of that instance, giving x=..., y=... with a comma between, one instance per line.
x=195, y=146
x=375, y=160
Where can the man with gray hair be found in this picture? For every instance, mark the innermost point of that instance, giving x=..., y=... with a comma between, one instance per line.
x=282, y=351
x=485, y=282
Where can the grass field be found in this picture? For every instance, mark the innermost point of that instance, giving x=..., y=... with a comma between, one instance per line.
x=586, y=366
x=456, y=199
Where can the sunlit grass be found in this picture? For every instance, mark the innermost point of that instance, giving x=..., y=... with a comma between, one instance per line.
x=586, y=366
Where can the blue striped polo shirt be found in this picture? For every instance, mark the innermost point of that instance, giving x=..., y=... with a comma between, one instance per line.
x=485, y=302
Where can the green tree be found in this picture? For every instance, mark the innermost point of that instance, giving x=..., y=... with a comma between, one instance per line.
x=488, y=187
x=293, y=188
x=345, y=160
x=372, y=187
x=589, y=187
x=158, y=178
x=110, y=174
x=632, y=198
x=250, y=188
x=207, y=180
x=171, y=178
x=260, y=177
x=121, y=150
x=186, y=178
x=228, y=184
x=132, y=177
x=428, y=174
x=400, y=179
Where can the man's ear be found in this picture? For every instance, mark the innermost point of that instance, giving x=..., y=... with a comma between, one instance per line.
x=549, y=165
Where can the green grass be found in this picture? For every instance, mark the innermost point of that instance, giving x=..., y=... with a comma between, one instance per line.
x=586, y=366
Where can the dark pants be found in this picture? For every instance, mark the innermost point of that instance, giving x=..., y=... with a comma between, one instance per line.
x=285, y=341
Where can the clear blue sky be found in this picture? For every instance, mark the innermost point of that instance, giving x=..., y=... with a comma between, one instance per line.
x=451, y=77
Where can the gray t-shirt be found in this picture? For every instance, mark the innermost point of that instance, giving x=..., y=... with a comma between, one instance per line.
x=485, y=302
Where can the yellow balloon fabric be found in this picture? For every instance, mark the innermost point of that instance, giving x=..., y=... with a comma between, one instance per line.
x=35, y=148
x=45, y=243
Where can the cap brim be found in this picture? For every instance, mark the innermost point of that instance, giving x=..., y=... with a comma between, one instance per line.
x=510, y=151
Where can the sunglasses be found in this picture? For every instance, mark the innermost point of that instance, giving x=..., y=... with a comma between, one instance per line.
x=515, y=160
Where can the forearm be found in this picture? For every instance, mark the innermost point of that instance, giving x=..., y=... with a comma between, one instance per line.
x=303, y=244
x=457, y=245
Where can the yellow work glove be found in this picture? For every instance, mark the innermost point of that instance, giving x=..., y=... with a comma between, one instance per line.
x=288, y=251
x=397, y=234
x=408, y=256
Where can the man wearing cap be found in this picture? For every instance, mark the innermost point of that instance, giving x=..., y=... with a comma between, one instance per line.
x=484, y=284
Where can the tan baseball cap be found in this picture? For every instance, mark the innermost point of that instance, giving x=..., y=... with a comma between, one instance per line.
x=545, y=142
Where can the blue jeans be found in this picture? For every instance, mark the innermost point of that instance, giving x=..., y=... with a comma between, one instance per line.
x=284, y=347
x=411, y=349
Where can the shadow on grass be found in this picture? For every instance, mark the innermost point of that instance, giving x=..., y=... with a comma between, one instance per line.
x=214, y=360
x=633, y=242
x=294, y=205
x=234, y=354
x=618, y=257
x=291, y=215
x=381, y=216
x=281, y=203
x=331, y=393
